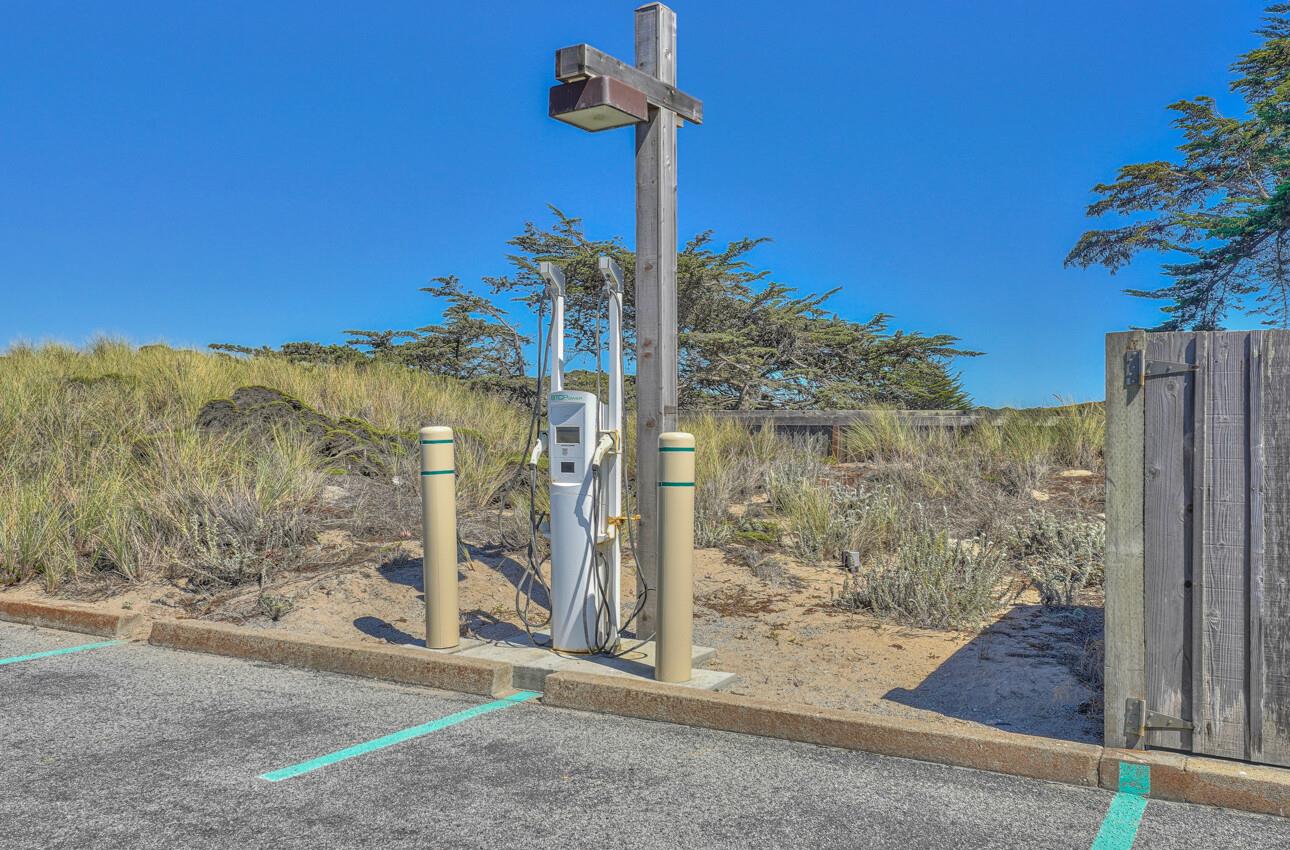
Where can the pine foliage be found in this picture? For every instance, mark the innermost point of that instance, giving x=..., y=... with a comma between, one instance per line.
x=745, y=341
x=1220, y=213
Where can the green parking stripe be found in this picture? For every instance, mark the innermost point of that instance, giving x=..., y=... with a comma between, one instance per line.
x=1120, y=826
x=435, y=442
x=52, y=652
x=676, y=448
x=438, y=472
x=676, y=483
x=396, y=737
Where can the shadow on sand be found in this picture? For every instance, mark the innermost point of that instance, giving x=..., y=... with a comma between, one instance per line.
x=382, y=630
x=406, y=570
x=1021, y=675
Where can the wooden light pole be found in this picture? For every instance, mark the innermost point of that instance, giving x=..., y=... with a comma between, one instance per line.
x=594, y=106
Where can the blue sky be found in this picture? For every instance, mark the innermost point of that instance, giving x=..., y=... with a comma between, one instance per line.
x=266, y=172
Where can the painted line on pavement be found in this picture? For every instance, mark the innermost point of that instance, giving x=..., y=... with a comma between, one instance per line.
x=1120, y=826
x=397, y=737
x=52, y=652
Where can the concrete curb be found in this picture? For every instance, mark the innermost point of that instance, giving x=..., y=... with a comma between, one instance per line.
x=1204, y=781
x=408, y=664
x=1000, y=752
x=73, y=618
x=1174, y=776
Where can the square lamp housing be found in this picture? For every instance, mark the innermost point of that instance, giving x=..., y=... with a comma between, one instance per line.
x=598, y=103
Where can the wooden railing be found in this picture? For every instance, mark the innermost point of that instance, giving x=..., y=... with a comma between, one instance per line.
x=831, y=422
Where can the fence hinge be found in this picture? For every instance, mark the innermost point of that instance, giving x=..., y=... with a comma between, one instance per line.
x=1166, y=367
x=1132, y=368
x=1134, y=372
x=1138, y=720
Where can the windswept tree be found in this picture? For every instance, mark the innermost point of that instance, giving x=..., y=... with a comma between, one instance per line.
x=745, y=341
x=473, y=340
x=1220, y=213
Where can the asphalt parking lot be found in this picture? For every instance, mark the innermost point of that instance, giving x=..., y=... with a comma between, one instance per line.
x=127, y=745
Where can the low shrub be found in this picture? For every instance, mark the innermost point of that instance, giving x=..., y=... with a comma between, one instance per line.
x=933, y=581
x=1061, y=556
x=768, y=567
x=759, y=534
x=274, y=607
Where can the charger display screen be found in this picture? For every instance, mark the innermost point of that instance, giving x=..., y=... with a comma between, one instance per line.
x=568, y=435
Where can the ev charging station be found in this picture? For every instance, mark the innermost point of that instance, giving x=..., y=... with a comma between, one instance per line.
x=583, y=437
x=583, y=434
x=584, y=444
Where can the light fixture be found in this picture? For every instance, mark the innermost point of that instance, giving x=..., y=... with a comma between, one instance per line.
x=598, y=103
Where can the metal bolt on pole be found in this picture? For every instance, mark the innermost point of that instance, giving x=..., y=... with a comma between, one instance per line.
x=439, y=537
x=676, y=557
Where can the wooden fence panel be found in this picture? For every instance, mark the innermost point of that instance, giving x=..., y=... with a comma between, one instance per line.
x=1221, y=565
x=1167, y=524
x=1125, y=638
x=1211, y=603
x=1270, y=554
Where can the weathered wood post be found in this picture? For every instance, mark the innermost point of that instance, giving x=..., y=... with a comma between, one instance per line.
x=1124, y=637
x=655, y=287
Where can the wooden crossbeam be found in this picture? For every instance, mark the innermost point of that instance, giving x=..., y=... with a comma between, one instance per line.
x=582, y=61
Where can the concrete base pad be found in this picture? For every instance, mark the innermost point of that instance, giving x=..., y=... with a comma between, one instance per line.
x=466, y=643
x=532, y=664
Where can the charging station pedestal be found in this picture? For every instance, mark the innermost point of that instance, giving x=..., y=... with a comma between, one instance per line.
x=580, y=582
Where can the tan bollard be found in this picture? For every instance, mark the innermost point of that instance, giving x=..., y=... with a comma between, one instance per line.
x=439, y=537
x=675, y=557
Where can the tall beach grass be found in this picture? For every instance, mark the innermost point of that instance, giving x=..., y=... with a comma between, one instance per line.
x=103, y=470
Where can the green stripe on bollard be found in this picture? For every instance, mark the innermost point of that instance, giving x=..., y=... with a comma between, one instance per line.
x=435, y=442
x=676, y=483
x=439, y=472
x=676, y=448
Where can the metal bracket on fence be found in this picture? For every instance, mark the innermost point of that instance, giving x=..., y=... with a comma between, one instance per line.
x=1138, y=720
x=1135, y=374
x=1132, y=368
x=1155, y=368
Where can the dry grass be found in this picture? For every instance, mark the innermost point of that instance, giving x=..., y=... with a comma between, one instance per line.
x=103, y=471
x=978, y=485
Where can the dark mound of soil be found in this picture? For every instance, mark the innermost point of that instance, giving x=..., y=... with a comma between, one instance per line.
x=351, y=444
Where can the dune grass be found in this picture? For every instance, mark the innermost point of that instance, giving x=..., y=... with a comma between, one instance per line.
x=103, y=471
x=102, y=468
x=938, y=516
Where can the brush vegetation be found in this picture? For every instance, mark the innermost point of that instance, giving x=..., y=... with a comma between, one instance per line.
x=945, y=522
x=111, y=466
x=104, y=470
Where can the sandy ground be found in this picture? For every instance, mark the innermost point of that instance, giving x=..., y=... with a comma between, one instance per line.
x=781, y=635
